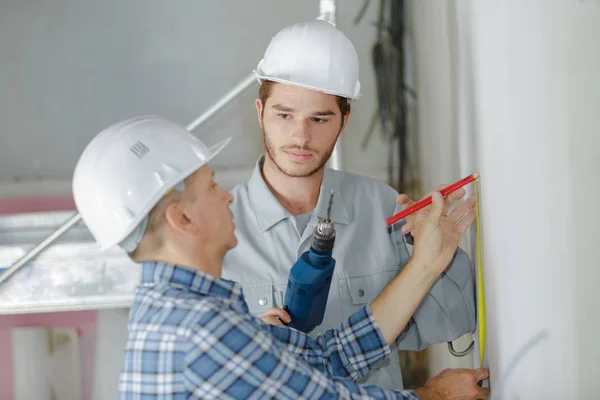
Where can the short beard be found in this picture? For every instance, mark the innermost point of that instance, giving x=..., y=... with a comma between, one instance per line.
x=270, y=149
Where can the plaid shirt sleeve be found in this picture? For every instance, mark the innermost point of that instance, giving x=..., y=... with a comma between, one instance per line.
x=349, y=351
x=234, y=356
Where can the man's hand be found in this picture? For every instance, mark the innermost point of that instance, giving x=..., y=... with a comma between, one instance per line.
x=404, y=202
x=456, y=384
x=437, y=234
x=276, y=316
x=436, y=239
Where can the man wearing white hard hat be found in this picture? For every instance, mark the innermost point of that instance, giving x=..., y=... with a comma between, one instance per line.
x=144, y=184
x=308, y=77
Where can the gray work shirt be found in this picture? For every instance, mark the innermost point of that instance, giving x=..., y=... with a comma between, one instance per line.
x=367, y=257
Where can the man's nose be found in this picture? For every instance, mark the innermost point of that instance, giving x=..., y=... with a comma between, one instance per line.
x=228, y=197
x=301, y=132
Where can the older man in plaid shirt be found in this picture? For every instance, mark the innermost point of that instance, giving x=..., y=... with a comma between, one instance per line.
x=190, y=333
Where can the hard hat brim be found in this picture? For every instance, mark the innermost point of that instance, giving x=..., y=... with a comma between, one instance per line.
x=260, y=77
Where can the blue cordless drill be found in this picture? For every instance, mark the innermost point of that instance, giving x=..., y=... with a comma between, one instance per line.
x=310, y=278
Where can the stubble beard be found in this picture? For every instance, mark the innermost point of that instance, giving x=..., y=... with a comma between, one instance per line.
x=271, y=153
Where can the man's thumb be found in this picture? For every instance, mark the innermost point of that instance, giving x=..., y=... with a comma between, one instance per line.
x=437, y=207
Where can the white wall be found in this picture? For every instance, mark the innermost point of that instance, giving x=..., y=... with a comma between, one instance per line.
x=532, y=105
x=518, y=81
x=70, y=69
x=582, y=63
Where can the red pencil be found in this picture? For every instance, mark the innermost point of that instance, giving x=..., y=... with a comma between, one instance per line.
x=427, y=201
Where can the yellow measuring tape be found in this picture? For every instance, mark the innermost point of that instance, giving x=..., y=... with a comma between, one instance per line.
x=480, y=293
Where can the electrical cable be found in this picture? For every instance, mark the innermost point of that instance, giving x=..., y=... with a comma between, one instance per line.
x=362, y=12
x=387, y=57
x=400, y=131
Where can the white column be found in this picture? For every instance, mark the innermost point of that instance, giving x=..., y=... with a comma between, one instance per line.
x=537, y=117
x=434, y=24
x=467, y=137
x=30, y=362
x=111, y=336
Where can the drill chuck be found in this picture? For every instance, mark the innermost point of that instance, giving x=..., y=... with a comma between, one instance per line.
x=323, y=236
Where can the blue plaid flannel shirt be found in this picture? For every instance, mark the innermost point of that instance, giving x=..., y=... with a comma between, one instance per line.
x=191, y=337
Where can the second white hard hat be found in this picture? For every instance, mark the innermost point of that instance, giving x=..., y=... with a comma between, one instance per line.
x=314, y=55
x=128, y=168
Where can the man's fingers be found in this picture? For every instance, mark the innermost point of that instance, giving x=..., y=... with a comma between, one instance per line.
x=404, y=202
x=452, y=198
x=437, y=189
x=436, y=208
x=466, y=221
x=402, y=199
x=481, y=374
x=272, y=320
x=463, y=208
x=278, y=313
x=456, y=195
x=276, y=316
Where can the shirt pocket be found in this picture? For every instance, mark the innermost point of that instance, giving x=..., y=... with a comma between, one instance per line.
x=259, y=298
x=365, y=289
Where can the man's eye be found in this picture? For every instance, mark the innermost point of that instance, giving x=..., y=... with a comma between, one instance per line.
x=319, y=120
x=284, y=115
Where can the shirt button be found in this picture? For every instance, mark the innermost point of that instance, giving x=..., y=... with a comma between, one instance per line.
x=262, y=301
x=361, y=293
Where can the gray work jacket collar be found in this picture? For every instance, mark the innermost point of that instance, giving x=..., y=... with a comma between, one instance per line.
x=269, y=211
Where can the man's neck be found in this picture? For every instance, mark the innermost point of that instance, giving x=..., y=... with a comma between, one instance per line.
x=297, y=195
x=211, y=264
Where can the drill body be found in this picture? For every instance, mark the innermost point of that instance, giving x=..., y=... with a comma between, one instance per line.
x=310, y=279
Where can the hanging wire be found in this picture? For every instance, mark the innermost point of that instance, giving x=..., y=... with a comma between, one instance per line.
x=387, y=57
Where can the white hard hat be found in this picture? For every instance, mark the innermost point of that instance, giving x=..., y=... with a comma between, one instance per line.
x=314, y=55
x=127, y=169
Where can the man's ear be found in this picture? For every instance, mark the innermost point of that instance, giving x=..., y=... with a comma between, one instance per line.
x=178, y=220
x=345, y=120
x=259, y=111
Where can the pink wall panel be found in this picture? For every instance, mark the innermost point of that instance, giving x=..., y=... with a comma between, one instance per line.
x=16, y=205
x=83, y=321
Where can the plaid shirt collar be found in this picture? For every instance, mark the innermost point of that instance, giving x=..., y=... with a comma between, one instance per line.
x=161, y=273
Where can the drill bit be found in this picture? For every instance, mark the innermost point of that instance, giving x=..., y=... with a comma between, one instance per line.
x=329, y=206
